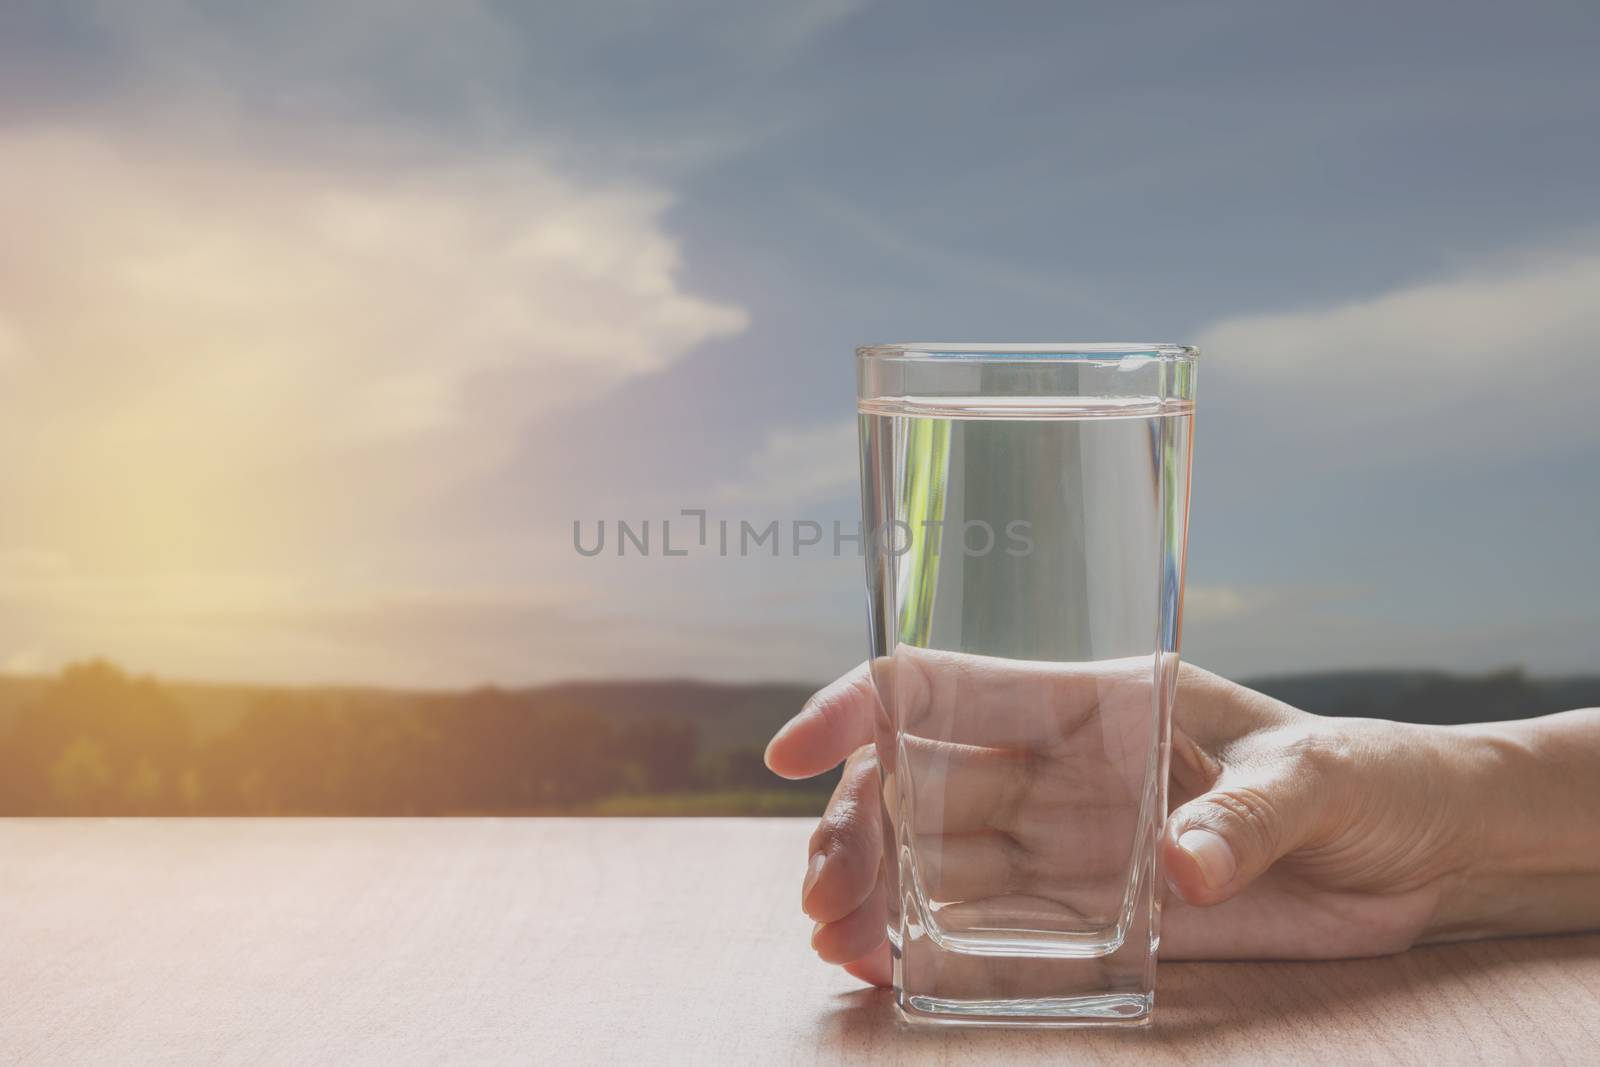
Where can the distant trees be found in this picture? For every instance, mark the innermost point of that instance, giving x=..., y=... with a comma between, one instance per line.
x=1430, y=696
x=664, y=752
x=741, y=768
x=97, y=741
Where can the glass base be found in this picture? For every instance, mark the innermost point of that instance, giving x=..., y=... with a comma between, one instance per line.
x=1106, y=1009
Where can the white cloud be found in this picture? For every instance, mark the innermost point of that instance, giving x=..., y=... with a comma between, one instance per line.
x=217, y=332
x=368, y=300
x=798, y=465
x=1504, y=360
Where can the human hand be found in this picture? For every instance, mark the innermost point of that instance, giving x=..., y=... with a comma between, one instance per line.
x=1289, y=835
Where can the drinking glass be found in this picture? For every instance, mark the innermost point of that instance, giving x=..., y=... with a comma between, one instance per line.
x=1026, y=508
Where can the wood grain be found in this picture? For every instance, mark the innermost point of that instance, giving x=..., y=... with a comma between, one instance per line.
x=614, y=941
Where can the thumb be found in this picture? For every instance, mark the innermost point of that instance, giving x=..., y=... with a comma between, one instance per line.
x=1217, y=844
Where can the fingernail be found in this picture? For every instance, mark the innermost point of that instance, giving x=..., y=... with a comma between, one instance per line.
x=1212, y=854
x=813, y=872
x=815, y=930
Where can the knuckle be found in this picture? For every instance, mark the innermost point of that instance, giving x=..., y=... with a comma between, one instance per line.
x=835, y=832
x=1330, y=752
x=837, y=705
x=1308, y=751
x=1305, y=751
x=847, y=824
x=1251, y=814
x=822, y=704
x=1317, y=758
x=838, y=695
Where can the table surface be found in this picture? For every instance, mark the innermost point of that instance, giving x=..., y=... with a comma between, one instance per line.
x=589, y=940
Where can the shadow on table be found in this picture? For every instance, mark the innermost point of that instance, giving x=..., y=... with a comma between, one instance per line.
x=1224, y=1003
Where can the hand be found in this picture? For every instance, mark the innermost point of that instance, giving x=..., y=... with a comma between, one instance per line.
x=1290, y=835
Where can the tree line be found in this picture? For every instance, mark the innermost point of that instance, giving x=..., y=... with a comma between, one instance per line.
x=98, y=741
x=95, y=740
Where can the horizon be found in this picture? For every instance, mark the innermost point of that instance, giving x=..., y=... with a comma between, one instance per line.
x=1255, y=680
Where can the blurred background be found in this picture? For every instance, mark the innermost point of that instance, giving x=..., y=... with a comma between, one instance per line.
x=329, y=333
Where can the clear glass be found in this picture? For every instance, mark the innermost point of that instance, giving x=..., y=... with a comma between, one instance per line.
x=1026, y=509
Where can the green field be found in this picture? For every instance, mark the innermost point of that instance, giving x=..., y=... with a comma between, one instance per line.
x=754, y=802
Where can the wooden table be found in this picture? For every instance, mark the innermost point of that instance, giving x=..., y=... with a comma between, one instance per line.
x=619, y=941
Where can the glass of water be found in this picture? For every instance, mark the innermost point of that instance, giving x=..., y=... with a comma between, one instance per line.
x=1026, y=510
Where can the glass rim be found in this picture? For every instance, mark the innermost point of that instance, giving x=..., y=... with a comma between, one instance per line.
x=1059, y=352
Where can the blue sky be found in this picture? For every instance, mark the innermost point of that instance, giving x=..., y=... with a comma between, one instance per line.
x=320, y=324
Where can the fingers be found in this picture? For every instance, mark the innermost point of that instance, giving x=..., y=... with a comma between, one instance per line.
x=1278, y=919
x=1217, y=844
x=832, y=724
x=980, y=701
x=961, y=789
x=1086, y=876
x=1001, y=703
x=984, y=701
x=857, y=934
x=875, y=968
x=845, y=888
x=847, y=846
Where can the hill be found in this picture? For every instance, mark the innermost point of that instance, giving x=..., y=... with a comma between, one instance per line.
x=96, y=741
x=1433, y=697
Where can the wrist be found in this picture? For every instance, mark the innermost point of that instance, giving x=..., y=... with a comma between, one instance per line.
x=1525, y=858
x=1479, y=770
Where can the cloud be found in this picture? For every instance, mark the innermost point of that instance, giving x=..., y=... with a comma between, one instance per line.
x=797, y=465
x=189, y=330
x=259, y=282
x=1503, y=360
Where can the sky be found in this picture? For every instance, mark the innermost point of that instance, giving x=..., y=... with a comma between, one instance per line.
x=322, y=324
